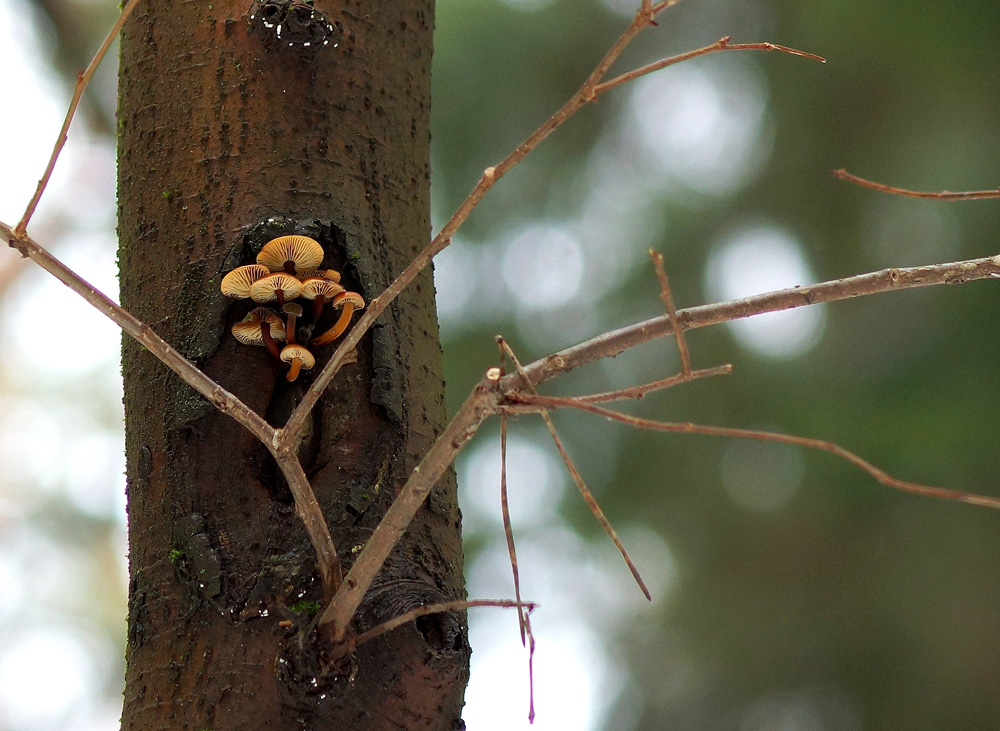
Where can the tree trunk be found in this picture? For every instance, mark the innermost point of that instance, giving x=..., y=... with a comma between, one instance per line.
x=236, y=125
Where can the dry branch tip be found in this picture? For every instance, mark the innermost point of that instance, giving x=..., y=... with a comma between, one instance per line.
x=945, y=195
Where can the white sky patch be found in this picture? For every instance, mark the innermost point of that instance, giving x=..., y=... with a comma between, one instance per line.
x=762, y=476
x=45, y=674
x=456, y=276
x=51, y=330
x=26, y=138
x=86, y=186
x=702, y=125
x=31, y=439
x=567, y=677
x=10, y=590
x=577, y=676
x=94, y=479
x=754, y=260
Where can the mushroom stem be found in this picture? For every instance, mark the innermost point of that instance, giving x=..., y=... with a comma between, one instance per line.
x=317, y=308
x=337, y=330
x=272, y=347
x=281, y=297
x=290, y=329
x=293, y=372
x=289, y=267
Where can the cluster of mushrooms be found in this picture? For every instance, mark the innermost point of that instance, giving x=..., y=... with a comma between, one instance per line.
x=286, y=270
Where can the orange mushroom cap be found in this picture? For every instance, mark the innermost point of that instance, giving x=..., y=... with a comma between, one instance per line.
x=306, y=253
x=330, y=274
x=247, y=330
x=352, y=298
x=237, y=283
x=315, y=286
x=265, y=290
x=289, y=352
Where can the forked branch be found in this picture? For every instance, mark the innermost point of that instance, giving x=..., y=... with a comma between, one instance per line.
x=614, y=342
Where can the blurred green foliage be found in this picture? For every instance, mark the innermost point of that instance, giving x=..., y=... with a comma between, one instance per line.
x=866, y=607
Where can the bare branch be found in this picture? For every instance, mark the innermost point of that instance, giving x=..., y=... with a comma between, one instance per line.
x=880, y=475
x=507, y=528
x=82, y=80
x=587, y=93
x=612, y=343
x=311, y=515
x=228, y=403
x=972, y=195
x=638, y=392
x=722, y=44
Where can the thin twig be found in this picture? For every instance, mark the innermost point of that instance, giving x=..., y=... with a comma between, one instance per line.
x=880, y=475
x=588, y=496
x=507, y=528
x=82, y=80
x=455, y=606
x=504, y=505
x=723, y=44
x=638, y=392
x=614, y=342
x=972, y=195
x=668, y=301
x=531, y=670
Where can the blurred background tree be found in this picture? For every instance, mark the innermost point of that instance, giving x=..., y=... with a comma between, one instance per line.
x=790, y=591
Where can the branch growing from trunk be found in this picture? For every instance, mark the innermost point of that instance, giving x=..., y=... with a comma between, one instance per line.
x=222, y=399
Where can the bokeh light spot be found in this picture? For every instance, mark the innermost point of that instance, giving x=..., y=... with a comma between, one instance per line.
x=543, y=267
x=701, y=125
x=754, y=260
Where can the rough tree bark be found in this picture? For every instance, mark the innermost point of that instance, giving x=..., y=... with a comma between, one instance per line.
x=229, y=136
